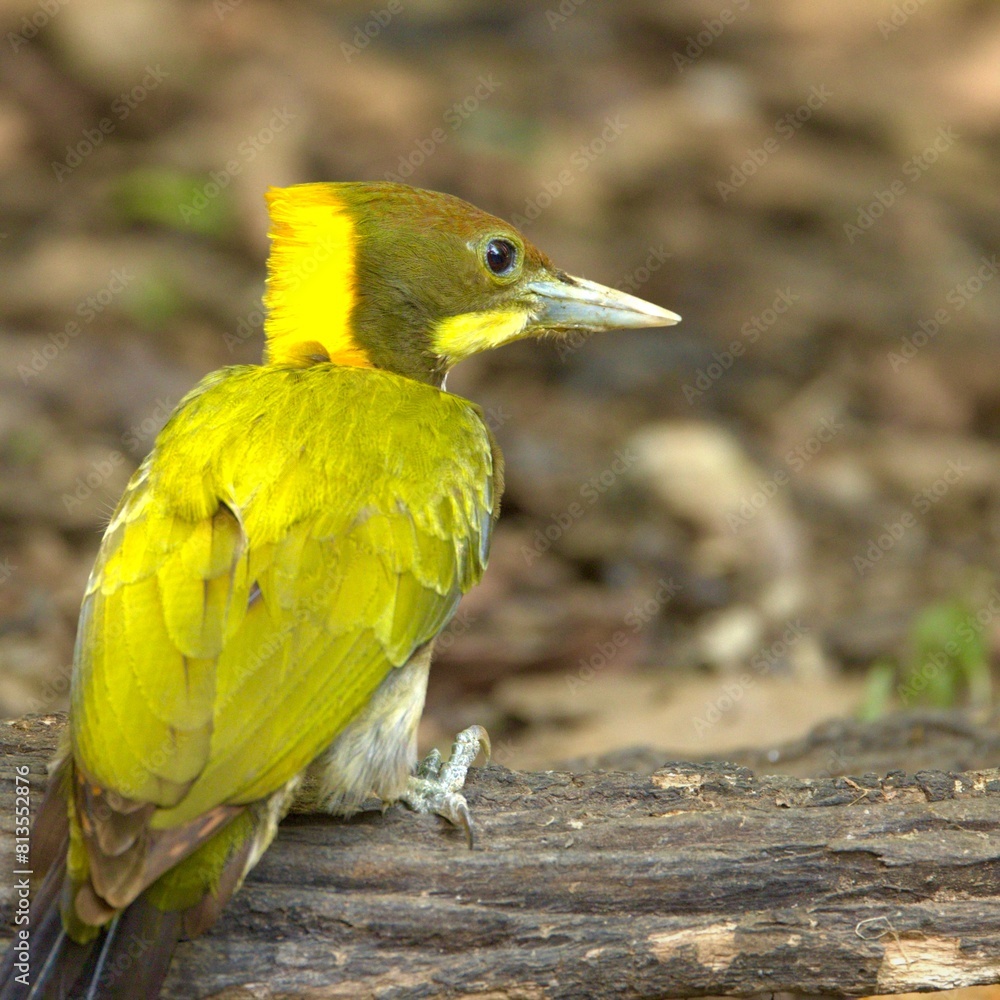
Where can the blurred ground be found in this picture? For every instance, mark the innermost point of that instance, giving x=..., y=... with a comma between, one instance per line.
x=714, y=536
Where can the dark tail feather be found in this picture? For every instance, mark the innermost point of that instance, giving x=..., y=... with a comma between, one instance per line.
x=134, y=956
x=38, y=963
x=47, y=969
x=127, y=961
x=97, y=973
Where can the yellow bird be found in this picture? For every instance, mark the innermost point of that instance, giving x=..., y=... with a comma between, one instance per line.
x=267, y=594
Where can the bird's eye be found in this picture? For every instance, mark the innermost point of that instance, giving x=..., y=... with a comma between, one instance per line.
x=500, y=256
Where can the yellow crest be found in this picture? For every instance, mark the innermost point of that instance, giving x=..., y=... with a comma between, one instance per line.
x=310, y=284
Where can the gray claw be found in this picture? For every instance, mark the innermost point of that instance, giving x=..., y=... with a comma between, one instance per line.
x=435, y=786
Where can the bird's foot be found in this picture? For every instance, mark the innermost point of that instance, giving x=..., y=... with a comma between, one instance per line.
x=435, y=788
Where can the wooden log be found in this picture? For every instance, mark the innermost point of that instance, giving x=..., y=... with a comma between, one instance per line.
x=697, y=879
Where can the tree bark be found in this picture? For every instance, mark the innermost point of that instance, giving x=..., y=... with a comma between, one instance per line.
x=697, y=879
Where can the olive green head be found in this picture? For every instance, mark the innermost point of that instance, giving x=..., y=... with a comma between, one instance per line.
x=412, y=281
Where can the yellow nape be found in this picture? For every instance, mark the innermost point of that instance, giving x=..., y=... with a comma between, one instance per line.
x=310, y=284
x=458, y=337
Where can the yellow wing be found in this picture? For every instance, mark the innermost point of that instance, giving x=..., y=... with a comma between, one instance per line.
x=295, y=535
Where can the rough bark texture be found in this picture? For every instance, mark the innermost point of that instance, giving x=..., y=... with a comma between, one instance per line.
x=696, y=879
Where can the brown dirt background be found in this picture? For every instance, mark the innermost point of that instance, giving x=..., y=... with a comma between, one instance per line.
x=678, y=560
x=705, y=591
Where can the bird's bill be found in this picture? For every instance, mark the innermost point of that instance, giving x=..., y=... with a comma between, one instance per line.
x=568, y=303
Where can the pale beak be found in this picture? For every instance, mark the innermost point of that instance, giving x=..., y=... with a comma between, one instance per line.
x=568, y=303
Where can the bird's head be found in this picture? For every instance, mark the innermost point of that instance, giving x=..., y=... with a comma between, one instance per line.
x=388, y=276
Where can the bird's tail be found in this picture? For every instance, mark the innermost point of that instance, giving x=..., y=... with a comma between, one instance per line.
x=127, y=960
